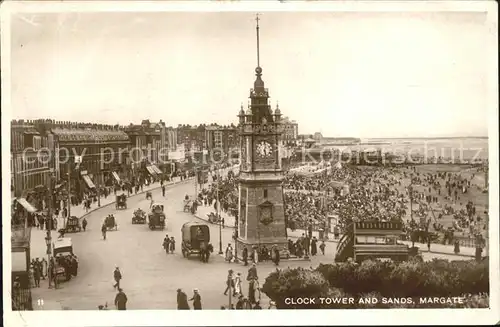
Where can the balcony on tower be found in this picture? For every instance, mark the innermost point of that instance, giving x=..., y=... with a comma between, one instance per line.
x=264, y=92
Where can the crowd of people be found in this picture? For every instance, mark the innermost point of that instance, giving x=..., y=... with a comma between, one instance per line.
x=419, y=199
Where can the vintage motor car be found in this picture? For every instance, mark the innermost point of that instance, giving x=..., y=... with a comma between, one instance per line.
x=121, y=201
x=195, y=238
x=139, y=217
x=110, y=223
x=157, y=218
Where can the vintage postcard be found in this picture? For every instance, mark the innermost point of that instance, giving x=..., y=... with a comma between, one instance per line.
x=281, y=156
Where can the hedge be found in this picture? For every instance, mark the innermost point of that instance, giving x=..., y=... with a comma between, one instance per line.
x=380, y=280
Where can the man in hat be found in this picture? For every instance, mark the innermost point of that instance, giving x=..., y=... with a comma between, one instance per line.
x=196, y=299
x=244, y=255
x=229, y=281
x=121, y=300
x=182, y=301
x=117, y=275
x=252, y=272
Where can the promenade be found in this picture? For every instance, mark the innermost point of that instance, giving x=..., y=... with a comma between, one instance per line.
x=203, y=212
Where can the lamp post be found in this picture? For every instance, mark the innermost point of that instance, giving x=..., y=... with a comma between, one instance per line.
x=48, y=238
x=68, y=200
x=48, y=242
x=195, y=183
x=99, y=187
x=218, y=210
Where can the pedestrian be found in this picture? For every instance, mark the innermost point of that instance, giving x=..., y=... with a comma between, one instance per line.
x=84, y=224
x=428, y=243
x=121, y=300
x=223, y=222
x=163, y=190
x=44, y=268
x=244, y=255
x=166, y=244
x=314, y=248
x=229, y=281
x=36, y=275
x=117, y=275
x=252, y=272
x=229, y=253
x=456, y=248
x=103, y=230
x=237, y=285
x=253, y=286
x=255, y=256
x=172, y=244
x=196, y=299
x=276, y=255
x=322, y=247
x=182, y=301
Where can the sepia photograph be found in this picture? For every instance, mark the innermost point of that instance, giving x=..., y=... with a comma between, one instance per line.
x=239, y=155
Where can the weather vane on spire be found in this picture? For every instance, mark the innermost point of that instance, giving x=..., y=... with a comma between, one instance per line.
x=257, y=28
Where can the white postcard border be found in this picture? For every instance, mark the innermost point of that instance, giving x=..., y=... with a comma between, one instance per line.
x=261, y=317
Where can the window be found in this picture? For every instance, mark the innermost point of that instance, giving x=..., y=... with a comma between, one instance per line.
x=380, y=240
x=265, y=193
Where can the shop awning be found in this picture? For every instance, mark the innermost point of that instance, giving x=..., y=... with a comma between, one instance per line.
x=156, y=169
x=115, y=175
x=26, y=205
x=151, y=170
x=88, y=181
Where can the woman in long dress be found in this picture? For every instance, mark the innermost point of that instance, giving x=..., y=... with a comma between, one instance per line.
x=237, y=285
x=229, y=253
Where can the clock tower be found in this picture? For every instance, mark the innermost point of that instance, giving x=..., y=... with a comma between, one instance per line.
x=261, y=214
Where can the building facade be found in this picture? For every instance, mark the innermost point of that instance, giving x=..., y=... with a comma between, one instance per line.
x=89, y=155
x=222, y=138
x=192, y=137
x=149, y=147
x=290, y=131
x=29, y=157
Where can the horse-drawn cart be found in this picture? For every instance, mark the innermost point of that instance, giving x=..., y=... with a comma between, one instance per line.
x=121, y=201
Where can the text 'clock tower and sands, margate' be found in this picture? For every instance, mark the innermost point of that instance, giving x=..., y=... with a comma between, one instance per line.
x=261, y=207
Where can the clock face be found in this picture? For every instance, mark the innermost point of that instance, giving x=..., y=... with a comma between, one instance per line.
x=264, y=149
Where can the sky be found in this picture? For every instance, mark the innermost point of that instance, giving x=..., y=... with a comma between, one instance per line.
x=345, y=74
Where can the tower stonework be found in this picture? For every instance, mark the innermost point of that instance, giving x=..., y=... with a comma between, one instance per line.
x=261, y=211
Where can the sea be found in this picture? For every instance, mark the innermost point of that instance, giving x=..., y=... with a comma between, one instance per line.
x=468, y=148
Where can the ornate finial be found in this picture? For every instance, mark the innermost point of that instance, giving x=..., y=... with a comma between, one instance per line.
x=277, y=105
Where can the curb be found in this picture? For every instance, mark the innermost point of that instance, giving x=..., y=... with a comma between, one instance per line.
x=206, y=220
x=133, y=195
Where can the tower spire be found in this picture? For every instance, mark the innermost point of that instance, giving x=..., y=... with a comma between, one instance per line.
x=258, y=43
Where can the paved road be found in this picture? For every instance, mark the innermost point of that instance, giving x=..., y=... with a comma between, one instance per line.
x=150, y=276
